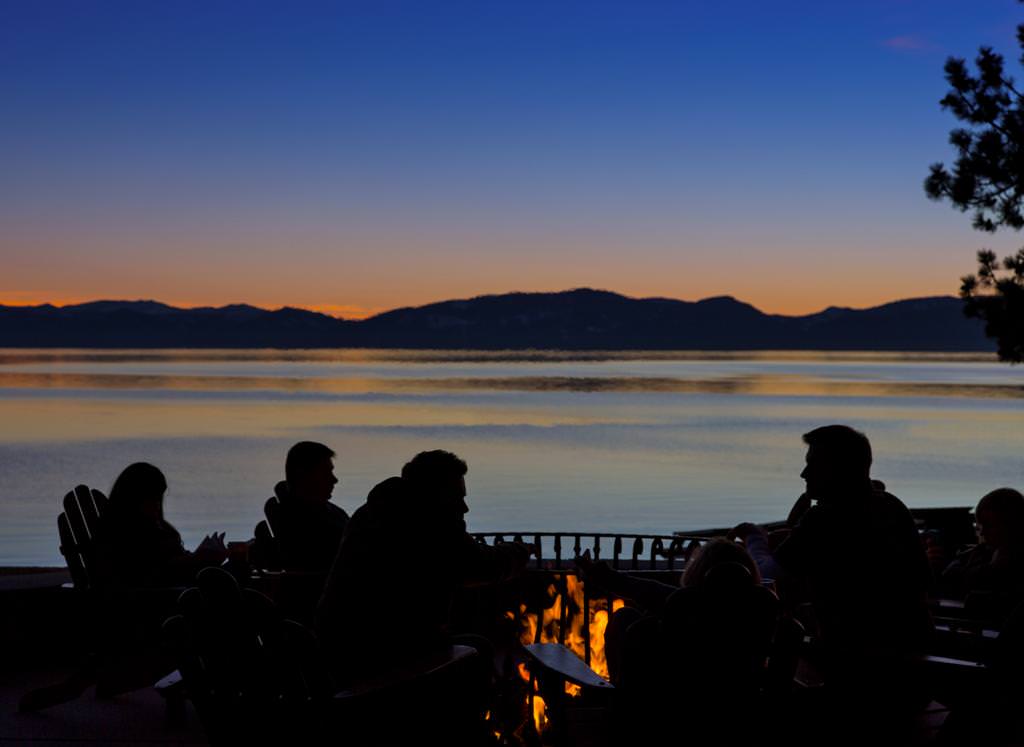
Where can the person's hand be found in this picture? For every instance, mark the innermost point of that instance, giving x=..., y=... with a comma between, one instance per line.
x=591, y=570
x=744, y=530
x=584, y=564
x=213, y=547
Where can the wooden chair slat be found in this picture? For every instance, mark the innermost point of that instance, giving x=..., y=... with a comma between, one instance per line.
x=74, y=513
x=69, y=549
x=77, y=527
x=272, y=510
x=87, y=506
x=100, y=501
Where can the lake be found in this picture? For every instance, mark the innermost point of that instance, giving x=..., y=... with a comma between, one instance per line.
x=630, y=442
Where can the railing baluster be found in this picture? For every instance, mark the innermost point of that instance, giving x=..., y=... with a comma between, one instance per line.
x=638, y=548
x=656, y=547
x=675, y=548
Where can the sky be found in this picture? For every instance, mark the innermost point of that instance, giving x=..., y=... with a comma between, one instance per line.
x=353, y=157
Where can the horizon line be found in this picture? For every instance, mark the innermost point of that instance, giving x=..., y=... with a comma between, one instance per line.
x=360, y=314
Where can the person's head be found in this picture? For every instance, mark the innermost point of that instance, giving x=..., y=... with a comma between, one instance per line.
x=999, y=516
x=438, y=478
x=309, y=472
x=714, y=554
x=139, y=492
x=838, y=461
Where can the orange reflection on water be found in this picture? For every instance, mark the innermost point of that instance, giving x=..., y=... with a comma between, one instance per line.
x=751, y=384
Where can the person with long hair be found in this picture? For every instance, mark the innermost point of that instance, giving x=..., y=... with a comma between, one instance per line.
x=136, y=546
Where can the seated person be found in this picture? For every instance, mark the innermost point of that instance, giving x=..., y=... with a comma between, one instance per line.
x=649, y=597
x=855, y=553
x=404, y=556
x=136, y=546
x=699, y=656
x=307, y=527
x=996, y=563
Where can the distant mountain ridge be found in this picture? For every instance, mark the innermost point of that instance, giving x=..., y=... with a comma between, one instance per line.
x=580, y=319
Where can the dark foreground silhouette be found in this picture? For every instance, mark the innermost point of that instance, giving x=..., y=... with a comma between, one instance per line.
x=830, y=629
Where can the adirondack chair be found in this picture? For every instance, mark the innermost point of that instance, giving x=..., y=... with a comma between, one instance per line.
x=267, y=551
x=254, y=675
x=296, y=591
x=112, y=664
x=77, y=526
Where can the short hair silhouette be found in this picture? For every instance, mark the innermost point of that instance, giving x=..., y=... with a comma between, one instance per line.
x=303, y=457
x=847, y=449
x=139, y=482
x=716, y=553
x=1007, y=507
x=429, y=468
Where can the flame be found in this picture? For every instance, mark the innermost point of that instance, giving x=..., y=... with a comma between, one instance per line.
x=551, y=622
x=539, y=707
x=540, y=716
x=598, y=625
x=524, y=672
x=565, y=611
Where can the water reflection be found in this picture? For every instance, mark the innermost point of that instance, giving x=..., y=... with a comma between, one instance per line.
x=649, y=442
x=748, y=384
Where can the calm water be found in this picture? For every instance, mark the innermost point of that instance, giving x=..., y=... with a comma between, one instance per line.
x=651, y=442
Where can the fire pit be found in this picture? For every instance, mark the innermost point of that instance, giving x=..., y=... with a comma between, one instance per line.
x=550, y=604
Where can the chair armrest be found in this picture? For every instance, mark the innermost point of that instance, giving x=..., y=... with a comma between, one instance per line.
x=417, y=669
x=170, y=685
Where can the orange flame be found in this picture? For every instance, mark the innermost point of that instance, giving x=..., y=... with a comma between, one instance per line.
x=567, y=610
x=540, y=716
x=551, y=622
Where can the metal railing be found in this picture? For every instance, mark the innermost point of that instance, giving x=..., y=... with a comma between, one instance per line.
x=552, y=565
x=646, y=552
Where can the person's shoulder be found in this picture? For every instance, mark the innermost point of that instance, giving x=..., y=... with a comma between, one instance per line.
x=890, y=503
x=337, y=512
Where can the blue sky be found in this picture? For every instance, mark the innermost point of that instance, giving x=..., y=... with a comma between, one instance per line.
x=358, y=156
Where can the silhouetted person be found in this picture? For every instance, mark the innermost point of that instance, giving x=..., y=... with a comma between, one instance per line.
x=405, y=554
x=136, y=546
x=694, y=659
x=856, y=551
x=647, y=596
x=996, y=563
x=307, y=526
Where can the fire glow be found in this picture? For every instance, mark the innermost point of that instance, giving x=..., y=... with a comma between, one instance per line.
x=562, y=621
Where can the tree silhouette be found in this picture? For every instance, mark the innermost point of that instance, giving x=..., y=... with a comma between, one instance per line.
x=988, y=179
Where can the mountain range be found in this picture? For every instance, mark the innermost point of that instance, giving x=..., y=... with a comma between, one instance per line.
x=581, y=319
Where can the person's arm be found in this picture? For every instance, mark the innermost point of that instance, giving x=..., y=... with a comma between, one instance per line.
x=755, y=539
x=485, y=564
x=795, y=554
x=646, y=593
